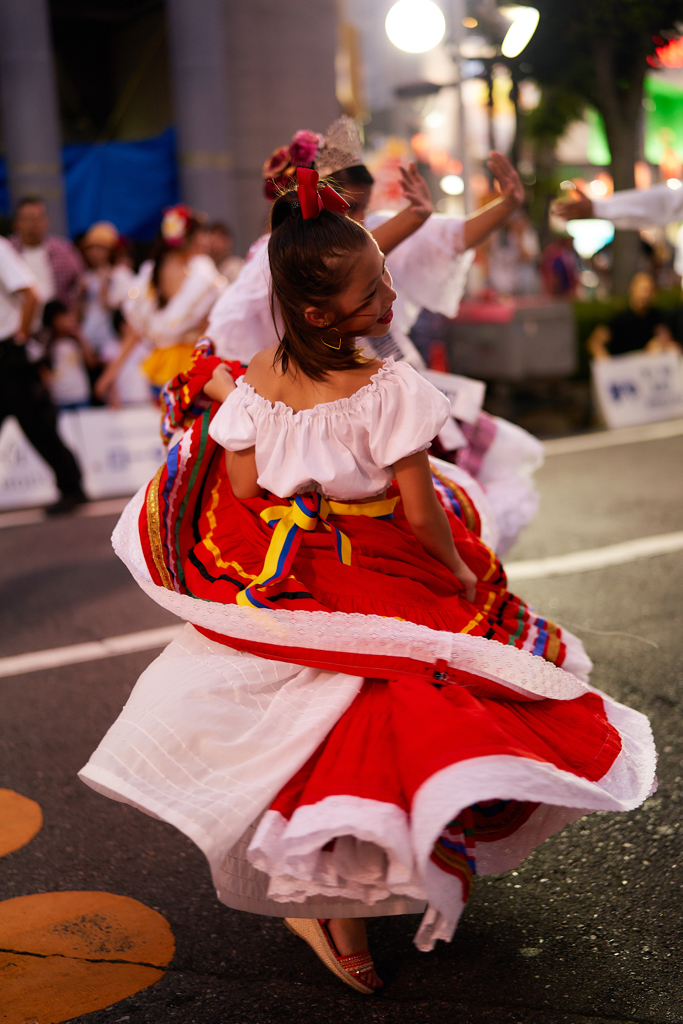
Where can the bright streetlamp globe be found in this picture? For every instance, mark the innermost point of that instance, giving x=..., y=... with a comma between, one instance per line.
x=452, y=185
x=415, y=25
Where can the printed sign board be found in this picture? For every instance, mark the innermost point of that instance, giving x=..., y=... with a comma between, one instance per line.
x=466, y=396
x=118, y=451
x=639, y=388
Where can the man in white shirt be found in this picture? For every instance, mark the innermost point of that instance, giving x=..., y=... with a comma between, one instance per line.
x=631, y=209
x=22, y=393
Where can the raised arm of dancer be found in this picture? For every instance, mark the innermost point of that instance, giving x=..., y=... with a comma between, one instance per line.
x=394, y=231
x=629, y=209
x=106, y=379
x=427, y=518
x=479, y=225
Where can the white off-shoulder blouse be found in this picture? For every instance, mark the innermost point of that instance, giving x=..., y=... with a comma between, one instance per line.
x=346, y=449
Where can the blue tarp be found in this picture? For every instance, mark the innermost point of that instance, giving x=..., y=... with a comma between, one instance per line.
x=128, y=183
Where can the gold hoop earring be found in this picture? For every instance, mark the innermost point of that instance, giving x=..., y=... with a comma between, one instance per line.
x=335, y=347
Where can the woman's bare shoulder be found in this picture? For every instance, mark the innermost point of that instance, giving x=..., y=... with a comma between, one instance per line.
x=261, y=370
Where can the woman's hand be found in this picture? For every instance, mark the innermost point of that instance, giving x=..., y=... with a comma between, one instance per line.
x=416, y=191
x=469, y=581
x=578, y=207
x=105, y=382
x=220, y=385
x=509, y=181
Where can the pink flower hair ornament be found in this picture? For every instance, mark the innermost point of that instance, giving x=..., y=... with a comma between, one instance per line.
x=283, y=162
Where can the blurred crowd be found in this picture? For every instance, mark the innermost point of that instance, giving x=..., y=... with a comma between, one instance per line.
x=101, y=326
x=82, y=325
x=85, y=294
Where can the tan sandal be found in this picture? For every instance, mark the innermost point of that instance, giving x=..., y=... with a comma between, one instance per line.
x=347, y=968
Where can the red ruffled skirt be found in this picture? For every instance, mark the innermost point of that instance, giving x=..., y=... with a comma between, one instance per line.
x=468, y=736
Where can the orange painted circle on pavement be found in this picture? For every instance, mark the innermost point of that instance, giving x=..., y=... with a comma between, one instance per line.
x=20, y=820
x=66, y=951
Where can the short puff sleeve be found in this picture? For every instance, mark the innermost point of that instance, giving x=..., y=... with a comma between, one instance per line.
x=408, y=414
x=232, y=426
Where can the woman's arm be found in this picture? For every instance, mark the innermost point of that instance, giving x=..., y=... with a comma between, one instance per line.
x=479, y=225
x=394, y=231
x=427, y=518
x=598, y=341
x=106, y=379
x=241, y=466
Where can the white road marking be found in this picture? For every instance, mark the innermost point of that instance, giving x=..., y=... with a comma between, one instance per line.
x=610, y=438
x=595, y=558
x=55, y=657
x=28, y=516
x=557, y=446
x=147, y=639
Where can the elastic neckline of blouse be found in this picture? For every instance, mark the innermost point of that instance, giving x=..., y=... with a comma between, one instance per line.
x=339, y=404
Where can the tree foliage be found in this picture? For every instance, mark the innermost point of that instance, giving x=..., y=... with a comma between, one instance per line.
x=595, y=52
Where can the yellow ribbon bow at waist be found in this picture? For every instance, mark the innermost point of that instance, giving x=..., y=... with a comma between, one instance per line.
x=303, y=515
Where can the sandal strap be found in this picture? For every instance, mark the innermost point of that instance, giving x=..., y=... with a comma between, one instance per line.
x=357, y=963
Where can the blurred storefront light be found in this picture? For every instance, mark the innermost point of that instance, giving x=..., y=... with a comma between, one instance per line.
x=598, y=188
x=434, y=119
x=524, y=21
x=674, y=183
x=590, y=235
x=415, y=25
x=452, y=185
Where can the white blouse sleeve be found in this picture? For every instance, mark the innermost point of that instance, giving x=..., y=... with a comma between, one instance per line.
x=406, y=416
x=232, y=426
x=240, y=323
x=635, y=208
x=430, y=267
x=139, y=304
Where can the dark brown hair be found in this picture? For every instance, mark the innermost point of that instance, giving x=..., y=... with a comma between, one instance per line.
x=161, y=248
x=309, y=265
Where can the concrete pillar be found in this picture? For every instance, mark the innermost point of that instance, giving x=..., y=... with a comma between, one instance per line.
x=282, y=78
x=199, y=77
x=30, y=115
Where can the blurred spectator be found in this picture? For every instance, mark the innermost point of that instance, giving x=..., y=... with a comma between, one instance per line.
x=428, y=334
x=221, y=251
x=167, y=306
x=559, y=268
x=641, y=327
x=68, y=357
x=22, y=393
x=513, y=257
x=122, y=274
x=55, y=262
x=98, y=246
x=107, y=281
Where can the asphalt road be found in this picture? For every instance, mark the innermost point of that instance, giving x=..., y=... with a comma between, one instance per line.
x=588, y=929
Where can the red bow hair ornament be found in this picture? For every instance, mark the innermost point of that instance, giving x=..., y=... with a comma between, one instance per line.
x=312, y=199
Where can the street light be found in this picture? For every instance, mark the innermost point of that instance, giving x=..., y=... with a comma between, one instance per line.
x=452, y=185
x=415, y=25
x=524, y=21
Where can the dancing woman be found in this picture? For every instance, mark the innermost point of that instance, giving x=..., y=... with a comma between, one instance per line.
x=428, y=255
x=169, y=301
x=360, y=716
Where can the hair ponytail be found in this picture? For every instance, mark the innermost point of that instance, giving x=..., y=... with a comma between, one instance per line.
x=309, y=264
